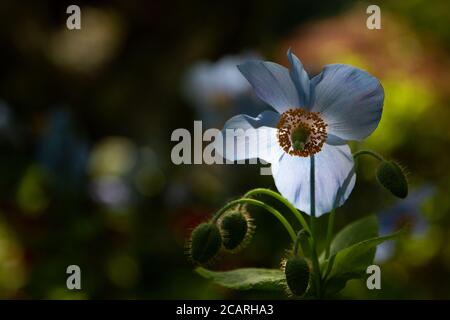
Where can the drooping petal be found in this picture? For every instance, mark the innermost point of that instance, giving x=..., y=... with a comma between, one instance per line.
x=301, y=80
x=349, y=99
x=272, y=83
x=333, y=173
x=335, y=140
x=250, y=138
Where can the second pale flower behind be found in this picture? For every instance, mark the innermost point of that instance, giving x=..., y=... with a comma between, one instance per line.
x=311, y=117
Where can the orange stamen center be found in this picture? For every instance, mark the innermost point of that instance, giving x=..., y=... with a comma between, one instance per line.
x=301, y=132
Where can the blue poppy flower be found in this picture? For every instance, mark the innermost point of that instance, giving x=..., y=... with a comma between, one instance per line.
x=310, y=117
x=217, y=90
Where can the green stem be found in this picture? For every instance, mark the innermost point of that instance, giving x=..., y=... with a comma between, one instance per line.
x=330, y=232
x=283, y=200
x=370, y=153
x=315, y=260
x=260, y=204
x=312, y=189
x=297, y=241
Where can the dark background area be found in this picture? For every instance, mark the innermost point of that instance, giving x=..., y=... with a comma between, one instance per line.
x=86, y=118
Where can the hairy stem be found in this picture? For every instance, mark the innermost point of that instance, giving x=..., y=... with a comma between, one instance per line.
x=260, y=204
x=297, y=242
x=369, y=153
x=283, y=200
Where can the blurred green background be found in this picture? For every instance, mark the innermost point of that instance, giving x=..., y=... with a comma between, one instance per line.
x=86, y=118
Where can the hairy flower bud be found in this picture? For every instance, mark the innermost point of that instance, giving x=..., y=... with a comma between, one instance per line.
x=205, y=243
x=391, y=176
x=237, y=229
x=297, y=274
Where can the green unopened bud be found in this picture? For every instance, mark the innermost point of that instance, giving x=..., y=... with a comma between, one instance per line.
x=391, y=176
x=297, y=274
x=205, y=243
x=237, y=229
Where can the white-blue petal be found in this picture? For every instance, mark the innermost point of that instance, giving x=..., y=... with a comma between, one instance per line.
x=272, y=83
x=334, y=140
x=349, y=99
x=301, y=80
x=333, y=173
x=249, y=138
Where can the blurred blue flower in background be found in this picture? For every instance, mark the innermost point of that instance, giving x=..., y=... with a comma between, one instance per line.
x=61, y=152
x=407, y=211
x=217, y=90
x=111, y=191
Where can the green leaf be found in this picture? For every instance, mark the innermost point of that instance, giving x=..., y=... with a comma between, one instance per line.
x=247, y=278
x=352, y=250
x=351, y=262
x=360, y=230
x=351, y=259
x=355, y=232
